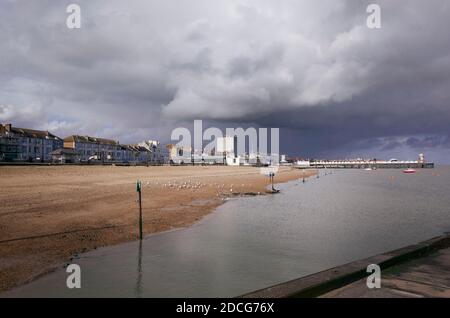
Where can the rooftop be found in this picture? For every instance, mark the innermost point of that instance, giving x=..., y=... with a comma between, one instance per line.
x=89, y=139
x=29, y=133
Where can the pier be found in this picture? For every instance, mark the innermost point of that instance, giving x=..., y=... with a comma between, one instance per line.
x=366, y=164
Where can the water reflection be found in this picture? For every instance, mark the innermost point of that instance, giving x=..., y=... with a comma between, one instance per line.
x=139, y=283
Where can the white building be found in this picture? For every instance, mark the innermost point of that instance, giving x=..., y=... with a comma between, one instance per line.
x=178, y=155
x=226, y=146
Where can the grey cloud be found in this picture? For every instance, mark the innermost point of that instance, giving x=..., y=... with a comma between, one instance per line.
x=428, y=142
x=136, y=70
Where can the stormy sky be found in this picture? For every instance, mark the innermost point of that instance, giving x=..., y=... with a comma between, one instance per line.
x=138, y=69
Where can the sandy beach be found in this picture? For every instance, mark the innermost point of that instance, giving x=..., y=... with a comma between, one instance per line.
x=50, y=214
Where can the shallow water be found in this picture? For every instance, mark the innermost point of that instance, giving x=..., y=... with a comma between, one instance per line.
x=251, y=243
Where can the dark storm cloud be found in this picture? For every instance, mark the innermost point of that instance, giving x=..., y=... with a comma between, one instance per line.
x=429, y=142
x=138, y=69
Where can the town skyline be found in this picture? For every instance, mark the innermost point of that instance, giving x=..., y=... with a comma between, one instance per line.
x=174, y=146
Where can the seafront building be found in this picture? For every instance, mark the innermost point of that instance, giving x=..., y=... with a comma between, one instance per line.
x=180, y=155
x=225, y=152
x=65, y=155
x=172, y=152
x=158, y=154
x=29, y=145
x=137, y=154
x=93, y=148
x=227, y=146
x=21, y=144
x=18, y=144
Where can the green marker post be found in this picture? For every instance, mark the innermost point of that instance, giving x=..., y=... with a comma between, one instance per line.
x=139, y=191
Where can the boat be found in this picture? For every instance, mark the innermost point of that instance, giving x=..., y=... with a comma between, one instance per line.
x=409, y=170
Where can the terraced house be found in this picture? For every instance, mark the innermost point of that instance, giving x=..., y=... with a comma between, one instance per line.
x=157, y=155
x=93, y=148
x=19, y=144
x=23, y=144
x=137, y=154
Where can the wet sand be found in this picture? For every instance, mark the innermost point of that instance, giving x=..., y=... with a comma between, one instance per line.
x=50, y=214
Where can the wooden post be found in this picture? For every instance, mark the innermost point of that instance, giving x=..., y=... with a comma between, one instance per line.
x=272, y=176
x=139, y=191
